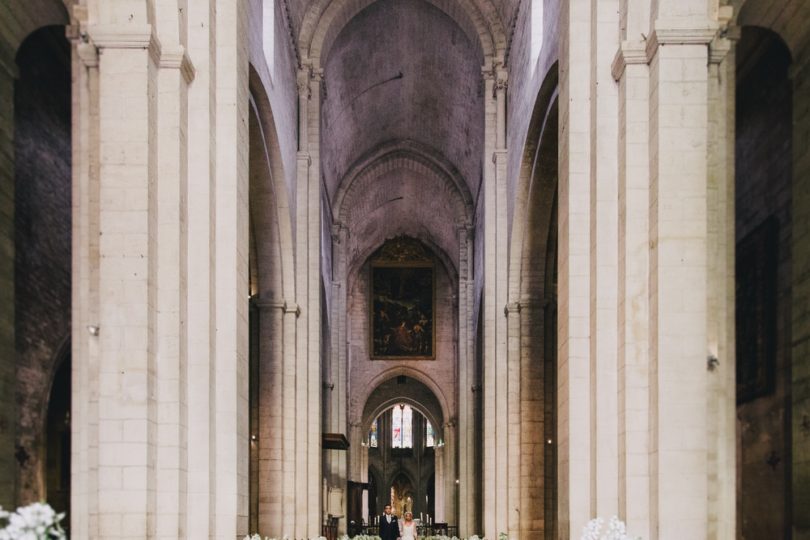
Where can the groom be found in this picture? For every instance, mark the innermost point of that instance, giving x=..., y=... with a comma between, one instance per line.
x=389, y=527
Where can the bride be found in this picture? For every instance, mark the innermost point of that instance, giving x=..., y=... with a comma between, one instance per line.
x=408, y=528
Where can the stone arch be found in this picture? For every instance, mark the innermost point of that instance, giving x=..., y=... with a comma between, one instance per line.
x=325, y=18
x=272, y=289
x=409, y=155
x=23, y=18
x=267, y=185
x=383, y=398
x=534, y=239
x=443, y=414
x=358, y=195
x=37, y=271
x=362, y=258
x=764, y=199
x=539, y=127
x=782, y=22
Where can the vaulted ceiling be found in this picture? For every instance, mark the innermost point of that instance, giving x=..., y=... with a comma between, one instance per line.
x=402, y=70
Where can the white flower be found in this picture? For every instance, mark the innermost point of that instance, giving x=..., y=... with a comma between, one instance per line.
x=616, y=530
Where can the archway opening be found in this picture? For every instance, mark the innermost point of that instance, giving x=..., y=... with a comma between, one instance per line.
x=764, y=229
x=41, y=257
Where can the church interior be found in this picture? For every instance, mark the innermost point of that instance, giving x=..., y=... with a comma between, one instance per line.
x=268, y=266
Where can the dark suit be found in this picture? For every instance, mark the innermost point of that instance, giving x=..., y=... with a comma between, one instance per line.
x=389, y=531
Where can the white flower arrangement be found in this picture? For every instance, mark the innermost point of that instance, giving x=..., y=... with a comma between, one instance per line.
x=615, y=530
x=37, y=521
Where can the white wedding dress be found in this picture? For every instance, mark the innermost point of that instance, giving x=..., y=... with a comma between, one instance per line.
x=409, y=531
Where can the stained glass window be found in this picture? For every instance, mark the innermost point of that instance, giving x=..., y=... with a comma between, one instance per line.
x=429, y=440
x=372, y=434
x=402, y=427
x=407, y=427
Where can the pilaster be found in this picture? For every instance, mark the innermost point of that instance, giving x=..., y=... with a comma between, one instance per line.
x=308, y=390
x=496, y=369
x=631, y=71
x=679, y=272
x=574, y=465
x=468, y=431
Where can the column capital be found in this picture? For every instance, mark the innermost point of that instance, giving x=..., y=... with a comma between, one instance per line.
x=681, y=31
x=120, y=36
x=629, y=53
x=512, y=308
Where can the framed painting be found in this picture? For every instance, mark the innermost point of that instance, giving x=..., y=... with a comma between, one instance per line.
x=402, y=309
x=756, y=297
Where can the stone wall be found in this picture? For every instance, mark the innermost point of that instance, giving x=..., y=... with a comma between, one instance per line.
x=363, y=371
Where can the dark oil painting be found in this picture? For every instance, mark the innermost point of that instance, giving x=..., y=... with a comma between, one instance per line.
x=402, y=322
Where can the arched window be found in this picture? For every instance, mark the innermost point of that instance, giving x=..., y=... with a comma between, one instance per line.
x=429, y=437
x=535, y=33
x=269, y=34
x=402, y=426
x=372, y=434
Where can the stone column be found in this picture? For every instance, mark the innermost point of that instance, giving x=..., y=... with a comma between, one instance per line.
x=574, y=468
x=84, y=290
x=631, y=71
x=160, y=332
x=8, y=374
x=512, y=314
x=199, y=310
x=127, y=407
x=440, y=476
x=467, y=430
x=604, y=236
x=270, y=433
x=336, y=388
x=678, y=55
x=231, y=241
x=451, y=487
x=496, y=370
x=168, y=283
x=800, y=371
x=307, y=403
x=722, y=394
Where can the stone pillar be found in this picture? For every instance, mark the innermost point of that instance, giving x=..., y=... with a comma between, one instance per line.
x=496, y=370
x=512, y=314
x=467, y=430
x=722, y=394
x=84, y=290
x=127, y=406
x=604, y=236
x=574, y=468
x=631, y=71
x=160, y=331
x=307, y=375
x=678, y=55
x=8, y=374
x=451, y=487
x=271, y=354
x=336, y=388
x=440, y=475
x=800, y=371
